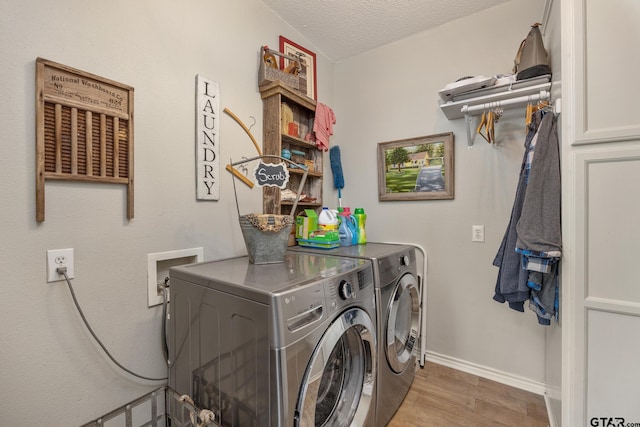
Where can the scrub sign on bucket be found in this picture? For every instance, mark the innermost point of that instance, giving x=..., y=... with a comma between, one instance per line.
x=271, y=175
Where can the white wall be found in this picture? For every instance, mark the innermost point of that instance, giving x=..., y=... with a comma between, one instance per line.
x=391, y=93
x=49, y=365
x=50, y=370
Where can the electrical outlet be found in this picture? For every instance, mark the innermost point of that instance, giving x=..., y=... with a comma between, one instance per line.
x=59, y=258
x=477, y=233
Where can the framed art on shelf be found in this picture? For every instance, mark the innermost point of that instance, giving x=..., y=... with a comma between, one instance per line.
x=416, y=168
x=307, y=65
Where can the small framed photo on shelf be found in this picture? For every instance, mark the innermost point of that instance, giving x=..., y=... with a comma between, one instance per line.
x=416, y=168
x=307, y=64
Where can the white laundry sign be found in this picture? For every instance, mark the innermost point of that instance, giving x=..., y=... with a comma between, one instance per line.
x=207, y=139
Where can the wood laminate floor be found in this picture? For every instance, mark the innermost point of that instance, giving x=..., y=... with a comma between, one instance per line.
x=441, y=396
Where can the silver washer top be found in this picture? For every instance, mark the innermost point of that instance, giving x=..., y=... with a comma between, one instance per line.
x=371, y=250
x=386, y=258
x=260, y=282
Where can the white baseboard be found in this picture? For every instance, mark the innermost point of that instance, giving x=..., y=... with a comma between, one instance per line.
x=488, y=373
x=550, y=414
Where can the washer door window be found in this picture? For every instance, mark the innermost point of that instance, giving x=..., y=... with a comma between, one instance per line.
x=402, y=323
x=339, y=380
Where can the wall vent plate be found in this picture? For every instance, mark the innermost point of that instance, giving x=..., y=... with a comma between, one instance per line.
x=158, y=265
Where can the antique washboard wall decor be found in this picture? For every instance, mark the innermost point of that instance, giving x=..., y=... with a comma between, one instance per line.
x=84, y=130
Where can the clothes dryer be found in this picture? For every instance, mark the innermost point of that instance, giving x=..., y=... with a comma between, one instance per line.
x=287, y=344
x=398, y=314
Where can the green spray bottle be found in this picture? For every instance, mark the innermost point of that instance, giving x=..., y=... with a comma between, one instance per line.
x=361, y=220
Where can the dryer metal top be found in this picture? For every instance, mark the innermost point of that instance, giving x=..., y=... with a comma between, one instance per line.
x=259, y=282
x=370, y=250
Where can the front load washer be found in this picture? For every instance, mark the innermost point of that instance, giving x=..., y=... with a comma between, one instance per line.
x=287, y=345
x=398, y=314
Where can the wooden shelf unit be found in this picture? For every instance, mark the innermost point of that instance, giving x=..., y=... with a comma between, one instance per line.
x=273, y=94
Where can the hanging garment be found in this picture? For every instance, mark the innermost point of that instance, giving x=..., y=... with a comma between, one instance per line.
x=539, y=230
x=539, y=225
x=532, y=246
x=544, y=293
x=323, y=126
x=511, y=285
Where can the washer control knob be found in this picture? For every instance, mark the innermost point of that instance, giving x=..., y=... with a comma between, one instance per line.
x=404, y=260
x=345, y=290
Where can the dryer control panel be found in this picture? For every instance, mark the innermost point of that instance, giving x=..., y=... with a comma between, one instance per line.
x=393, y=266
x=350, y=288
x=303, y=308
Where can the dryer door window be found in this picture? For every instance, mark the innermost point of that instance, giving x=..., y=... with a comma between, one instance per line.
x=338, y=384
x=402, y=323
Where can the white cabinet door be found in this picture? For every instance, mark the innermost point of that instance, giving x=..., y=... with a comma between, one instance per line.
x=606, y=302
x=607, y=63
x=601, y=210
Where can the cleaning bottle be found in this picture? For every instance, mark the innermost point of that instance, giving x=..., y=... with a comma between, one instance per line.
x=351, y=222
x=328, y=221
x=344, y=231
x=361, y=220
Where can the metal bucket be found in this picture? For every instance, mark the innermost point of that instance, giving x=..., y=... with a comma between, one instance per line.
x=266, y=244
x=266, y=236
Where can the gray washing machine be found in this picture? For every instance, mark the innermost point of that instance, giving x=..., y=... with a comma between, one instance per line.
x=398, y=314
x=288, y=344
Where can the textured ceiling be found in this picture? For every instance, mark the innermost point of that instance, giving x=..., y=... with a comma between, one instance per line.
x=344, y=28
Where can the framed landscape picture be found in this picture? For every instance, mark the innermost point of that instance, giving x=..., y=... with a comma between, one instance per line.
x=416, y=168
x=308, y=64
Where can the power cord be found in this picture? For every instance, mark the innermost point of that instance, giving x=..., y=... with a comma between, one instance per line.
x=63, y=271
x=165, y=300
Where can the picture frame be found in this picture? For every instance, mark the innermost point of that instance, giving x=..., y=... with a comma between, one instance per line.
x=420, y=168
x=308, y=66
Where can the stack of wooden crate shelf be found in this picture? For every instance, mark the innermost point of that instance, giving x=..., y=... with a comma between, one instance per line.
x=275, y=139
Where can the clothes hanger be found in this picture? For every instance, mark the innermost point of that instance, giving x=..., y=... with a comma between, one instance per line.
x=490, y=117
x=544, y=105
x=541, y=105
x=498, y=110
x=483, y=121
x=496, y=113
x=490, y=127
x=483, y=124
x=528, y=116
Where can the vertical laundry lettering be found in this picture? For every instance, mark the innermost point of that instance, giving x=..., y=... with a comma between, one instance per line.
x=207, y=144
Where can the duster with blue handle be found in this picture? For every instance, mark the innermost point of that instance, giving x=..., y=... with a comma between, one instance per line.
x=336, y=169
